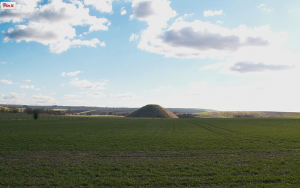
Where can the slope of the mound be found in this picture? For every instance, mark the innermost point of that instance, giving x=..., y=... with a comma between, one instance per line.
x=153, y=111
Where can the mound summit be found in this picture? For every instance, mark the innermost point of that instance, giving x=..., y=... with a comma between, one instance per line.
x=153, y=111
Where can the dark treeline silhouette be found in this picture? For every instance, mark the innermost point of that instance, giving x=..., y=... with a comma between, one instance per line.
x=9, y=110
x=187, y=115
x=42, y=110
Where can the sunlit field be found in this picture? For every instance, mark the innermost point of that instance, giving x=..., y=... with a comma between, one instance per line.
x=135, y=152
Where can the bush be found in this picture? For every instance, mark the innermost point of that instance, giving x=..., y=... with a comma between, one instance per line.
x=35, y=114
x=29, y=110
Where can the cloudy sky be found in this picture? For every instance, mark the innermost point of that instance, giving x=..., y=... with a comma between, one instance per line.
x=222, y=55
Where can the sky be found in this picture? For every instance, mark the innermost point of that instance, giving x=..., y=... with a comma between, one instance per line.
x=221, y=55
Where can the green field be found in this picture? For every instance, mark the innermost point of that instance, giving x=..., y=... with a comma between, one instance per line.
x=121, y=152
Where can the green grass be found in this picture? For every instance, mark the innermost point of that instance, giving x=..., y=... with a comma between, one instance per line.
x=123, y=152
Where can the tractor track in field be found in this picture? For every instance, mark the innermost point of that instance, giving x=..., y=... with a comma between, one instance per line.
x=91, y=155
x=203, y=155
x=201, y=126
x=218, y=127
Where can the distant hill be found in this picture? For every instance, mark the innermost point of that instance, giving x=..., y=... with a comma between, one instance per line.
x=152, y=111
x=80, y=109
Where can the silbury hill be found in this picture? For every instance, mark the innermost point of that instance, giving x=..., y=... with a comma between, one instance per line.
x=152, y=111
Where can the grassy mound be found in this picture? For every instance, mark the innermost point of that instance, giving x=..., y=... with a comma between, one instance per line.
x=152, y=111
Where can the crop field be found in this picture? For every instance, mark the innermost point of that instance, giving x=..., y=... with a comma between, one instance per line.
x=122, y=152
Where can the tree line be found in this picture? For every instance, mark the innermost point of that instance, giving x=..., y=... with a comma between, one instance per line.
x=10, y=110
x=28, y=110
x=49, y=111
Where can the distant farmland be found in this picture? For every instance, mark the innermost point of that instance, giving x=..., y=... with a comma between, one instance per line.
x=124, y=152
x=244, y=114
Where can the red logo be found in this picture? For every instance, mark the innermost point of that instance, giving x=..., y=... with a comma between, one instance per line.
x=8, y=5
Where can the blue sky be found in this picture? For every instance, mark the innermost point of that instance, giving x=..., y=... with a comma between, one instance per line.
x=222, y=55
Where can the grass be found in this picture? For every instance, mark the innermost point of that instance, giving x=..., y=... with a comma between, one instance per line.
x=123, y=152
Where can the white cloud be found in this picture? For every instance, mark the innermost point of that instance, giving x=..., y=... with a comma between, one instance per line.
x=213, y=66
x=188, y=15
x=102, y=44
x=79, y=102
x=199, y=39
x=30, y=4
x=196, y=39
x=85, y=84
x=40, y=32
x=3, y=62
x=219, y=22
x=73, y=73
x=66, y=44
x=123, y=11
x=134, y=37
x=27, y=80
x=181, y=18
x=260, y=6
x=6, y=82
x=42, y=99
x=23, y=9
x=29, y=87
x=104, y=6
x=268, y=9
x=190, y=36
x=262, y=61
x=92, y=43
x=97, y=94
x=265, y=9
x=245, y=66
x=13, y=96
x=213, y=13
x=70, y=73
x=70, y=96
x=54, y=24
x=156, y=12
x=122, y=95
x=156, y=90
